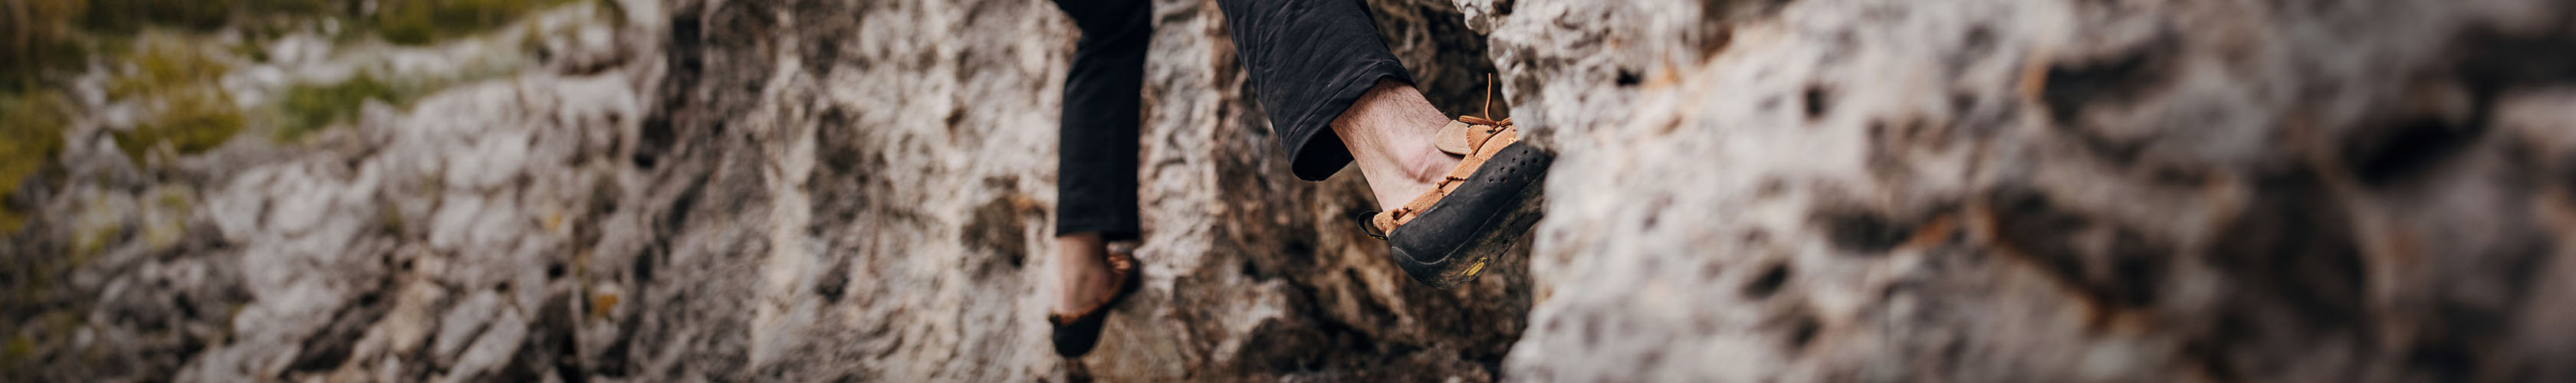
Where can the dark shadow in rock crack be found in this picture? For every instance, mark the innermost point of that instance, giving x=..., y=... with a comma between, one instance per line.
x=1974, y=46
x=2071, y=89
x=1285, y=345
x=823, y=28
x=2124, y=273
x=1447, y=60
x=549, y=346
x=2382, y=154
x=1768, y=282
x=1862, y=232
x=328, y=349
x=1819, y=101
x=1801, y=333
x=2294, y=247
x=835, y=282
x=998, y=230
x=2117, y=80
x=2491, y=63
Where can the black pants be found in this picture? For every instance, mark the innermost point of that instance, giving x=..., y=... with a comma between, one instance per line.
x=1308, y=60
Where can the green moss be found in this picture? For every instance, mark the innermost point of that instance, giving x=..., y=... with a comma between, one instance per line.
x=389, y=220
x=175, y=82
x=191, y=121
x=34, y=125
x=418, y=22
x=19, y=349
x=161, y=63
x=167, y=223
x=616, y=12
x=90, y=237
x=309, y=107
x=49, y=330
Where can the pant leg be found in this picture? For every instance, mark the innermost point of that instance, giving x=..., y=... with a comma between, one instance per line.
x=1309, y=60
x=1096, y=158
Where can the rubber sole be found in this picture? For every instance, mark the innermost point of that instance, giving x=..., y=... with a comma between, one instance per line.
x=1490, y=238
x=1492, y=241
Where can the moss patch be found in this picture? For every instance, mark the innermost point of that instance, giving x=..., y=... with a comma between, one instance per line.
x=309, y=107
x=175, y=85
x=161, y=63
x=34, y=124
x=165, y=218
x=50, y=330
x=89, y=238
x=191, y=121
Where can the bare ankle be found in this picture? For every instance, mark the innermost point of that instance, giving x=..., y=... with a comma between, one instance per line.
x=1426, y=164
x=1078, y=266
x=1391, y=127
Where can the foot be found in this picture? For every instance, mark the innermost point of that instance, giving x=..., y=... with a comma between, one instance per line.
x=1391, y=132
x=1091, y=276
x=1446, y=237
x=1418, y=171
x=1455, y=194
x=1084, y=277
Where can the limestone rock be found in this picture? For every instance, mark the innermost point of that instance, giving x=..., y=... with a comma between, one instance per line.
x=736, y=190
x=906, y=150
x=1816, y=190
x=2046, y=191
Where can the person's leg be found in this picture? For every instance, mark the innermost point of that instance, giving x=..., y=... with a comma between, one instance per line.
x=1096, y=168
x=1335, y=93
x=1081, y=273
x=1457, y=194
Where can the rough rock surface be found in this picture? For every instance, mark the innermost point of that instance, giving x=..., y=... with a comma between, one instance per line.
x=896, y=159
x=450, y=240
x=2048, y=191
x=1880, y=190
x=738, y=190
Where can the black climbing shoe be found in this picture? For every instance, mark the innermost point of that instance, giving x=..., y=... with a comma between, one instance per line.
x=1445, y=237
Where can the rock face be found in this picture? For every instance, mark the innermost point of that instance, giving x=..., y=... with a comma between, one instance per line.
x=1840, y=190
x=896, y=159
x=451, y=240
x=2047, y=191
x=733, y=190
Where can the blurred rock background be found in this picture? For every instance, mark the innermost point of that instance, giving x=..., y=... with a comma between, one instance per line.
x=861, y=190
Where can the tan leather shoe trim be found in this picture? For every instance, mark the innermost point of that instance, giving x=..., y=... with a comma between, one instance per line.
x=1453, y=139
x=1466, y=167
x=1495, y=143
x=1383, y=221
